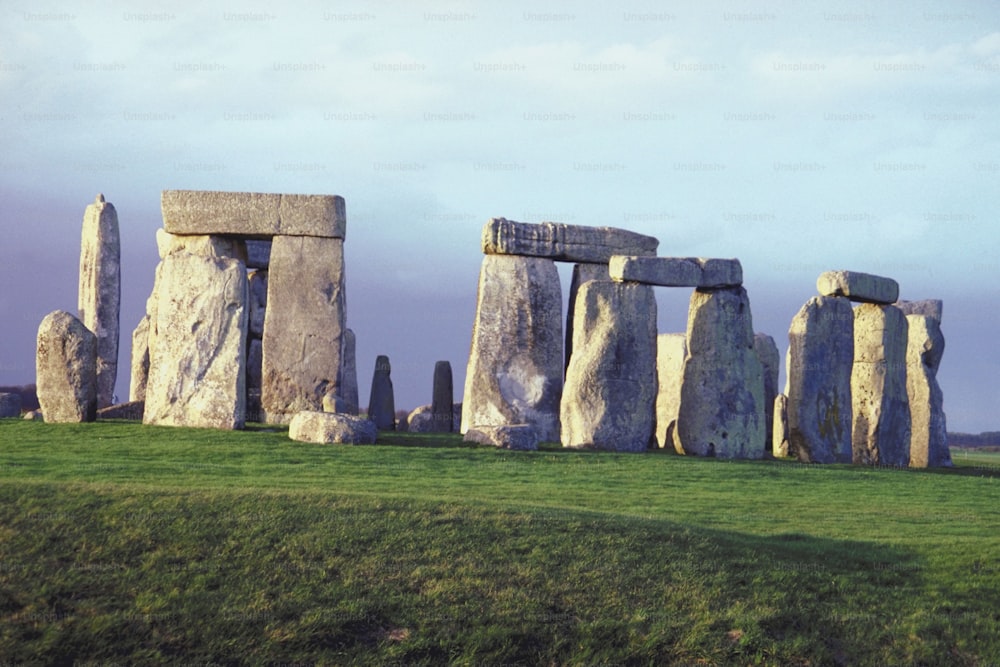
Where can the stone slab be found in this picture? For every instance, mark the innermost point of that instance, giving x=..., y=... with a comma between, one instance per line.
x=568, y=243
x=859, y=287
x=677, y=271
x=253, y=214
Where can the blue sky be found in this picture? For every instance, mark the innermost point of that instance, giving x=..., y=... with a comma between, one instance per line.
x=796, y=136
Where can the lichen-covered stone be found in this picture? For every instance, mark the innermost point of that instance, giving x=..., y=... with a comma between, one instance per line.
x=327, y=428
x=928, y=432
x=100, y=291
x=66, y=369
x=671, y=350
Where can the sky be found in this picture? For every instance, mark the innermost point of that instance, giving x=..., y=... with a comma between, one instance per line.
x=796, y=136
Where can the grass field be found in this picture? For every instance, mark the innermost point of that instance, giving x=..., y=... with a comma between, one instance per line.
x=121, y=543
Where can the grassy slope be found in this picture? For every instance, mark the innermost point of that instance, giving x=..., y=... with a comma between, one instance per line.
x=153, y=543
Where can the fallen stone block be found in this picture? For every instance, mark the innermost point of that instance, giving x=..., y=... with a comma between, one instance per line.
x=511, y=436
x=327, y=428
x=132, y=411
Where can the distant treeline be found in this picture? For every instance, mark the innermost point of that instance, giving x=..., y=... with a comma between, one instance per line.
x=988, y=439
x=29, y=397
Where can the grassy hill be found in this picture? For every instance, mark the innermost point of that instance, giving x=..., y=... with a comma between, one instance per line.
x=126, y=543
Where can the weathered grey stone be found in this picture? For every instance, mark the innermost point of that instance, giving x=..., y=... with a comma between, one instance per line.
x=100, y=290
x=722, y=399
x=258, y=302
x=581, y=274
x=132, y=411
x=779, y=434
x=770, y=360
x=382, y=401
x=10, y=405
x=255, y=365
x=200, y=244
x=303, y=324
x=420, y=420
x=515, y=366
x=34, y=416
x=513, y=436
x=609, y=398
x=671, y=350
x=326, y=428
x=929, y=307
x=929, y=433
x=66, y=369
x=456, y=419
x=881, y=429
x=253, y=214
x=443, y=397
x=335, y=404
x=347, y=384
x=140, y=361
x=856, y=286
x=819, y=365
x=258, y=253
x=197, y=367
x=677, y=271
x=569, y=243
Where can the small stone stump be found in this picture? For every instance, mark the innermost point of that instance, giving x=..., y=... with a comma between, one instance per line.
x=66, y=369
x=327, y=428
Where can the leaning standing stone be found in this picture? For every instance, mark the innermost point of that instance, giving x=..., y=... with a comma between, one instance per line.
x=881, y=431
x=442, y=405
x=770, y=359
x=515, y=366
x=382, y=402
x=609, y=398
x=66, y=369
x=929, y=433
x=722, y=399
x=100, y=290
x=671, y=350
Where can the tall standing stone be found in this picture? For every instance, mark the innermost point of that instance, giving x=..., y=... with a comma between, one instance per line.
x=381, y=401
x=770, y=360
x=610, y=394
x=819, y=365
x=100, y=290
x=671, y=350
x=581, y=274
x=722, y=399
x=443, y=397
x=929, y=433
x=348, y=383
x=197, y=369
x=139, y=369
x=515, y=366
x=779, y=436
x=881, y=430
x=66, y=369
x=303, y=324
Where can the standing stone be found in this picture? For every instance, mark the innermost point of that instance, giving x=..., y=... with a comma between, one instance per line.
x=443, y=403
x=581, y=274
x=770, y=360
x=382, y=402
x=10, y=405
x=258, y=302
x=515, y=366
x=100, y=290
x=819, y=365
x=140, y=361
x=722, y=398
x=779, y=436
x=255, y=361
x=671, y=350
x=303, y=324
x=348, y=382
x=569, y=243
x=609, y=398
x=878, y=386
x=66, y=369
x=929, y=433
x=197, y=369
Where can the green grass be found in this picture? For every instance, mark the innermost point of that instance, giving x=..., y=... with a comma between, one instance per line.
x=126, y=543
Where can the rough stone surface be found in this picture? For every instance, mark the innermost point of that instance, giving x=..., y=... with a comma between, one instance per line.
x=140, y=361
x=819, y=364
x=303, y=324
x=132, y=410
x=420, y=420
x=335, y=404
x=66, y=369
x=770, y=360
x=930, y=307
x=609, y=398
x=258, y=302
x=255, y=365
x=515, y=369
x=569, y=243
x=100, y=290
x=722, y=398
x=856, y=286
x=677, y=271
x=779, y=434
x=456, y=419
x=929, y=433
x=881, y=429
x=382, y=401
x=443, y=395
x=197, y=368
x=513, y=436
x=10, y=405
x=253, y=214
x=671, y=350
x=258, y=253
x=581, y=274
x=34, y=416
x=348, y=381
x=327, y=428
x=200, y=244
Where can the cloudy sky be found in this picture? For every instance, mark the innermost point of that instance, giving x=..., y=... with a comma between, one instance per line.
x=796, y=136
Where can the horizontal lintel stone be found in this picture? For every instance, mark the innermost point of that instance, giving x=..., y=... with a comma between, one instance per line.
x=932, y=308
x=857, y=286
x=677, y=271
x=252, y=214
x=568, y=243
